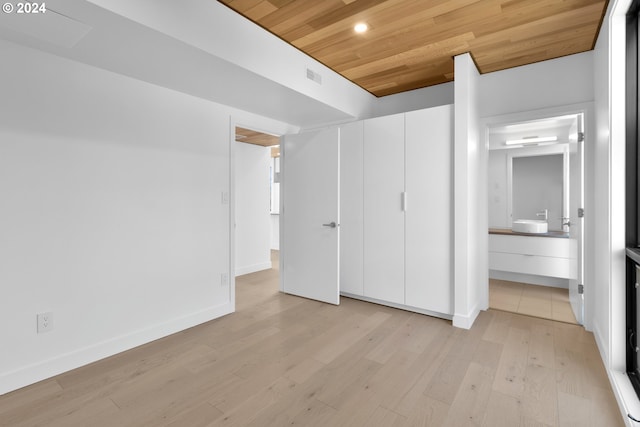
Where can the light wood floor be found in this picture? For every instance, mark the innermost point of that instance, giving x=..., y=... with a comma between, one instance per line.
x=532, y=300
x=282, y=360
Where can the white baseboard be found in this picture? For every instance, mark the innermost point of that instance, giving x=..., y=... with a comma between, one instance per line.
x=253, y=268
x=31, y=374
x=465, y=321
x=601, y=346
x=399, y=306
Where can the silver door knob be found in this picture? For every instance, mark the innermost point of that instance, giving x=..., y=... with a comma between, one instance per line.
x=331, y=224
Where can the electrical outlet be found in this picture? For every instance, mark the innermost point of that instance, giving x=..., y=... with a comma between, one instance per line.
x=224, y=279
x=45, y=322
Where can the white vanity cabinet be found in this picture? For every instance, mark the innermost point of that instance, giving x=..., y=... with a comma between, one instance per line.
x=542, y=256
x=396, y=210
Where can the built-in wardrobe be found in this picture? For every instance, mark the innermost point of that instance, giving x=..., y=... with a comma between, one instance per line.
x=396, y=210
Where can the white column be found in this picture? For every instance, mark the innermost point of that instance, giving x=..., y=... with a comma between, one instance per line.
x=470, y=198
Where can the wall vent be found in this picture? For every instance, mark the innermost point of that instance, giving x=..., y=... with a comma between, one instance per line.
x=312, y=75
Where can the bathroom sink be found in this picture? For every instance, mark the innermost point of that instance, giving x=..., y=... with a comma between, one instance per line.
x=535, y=226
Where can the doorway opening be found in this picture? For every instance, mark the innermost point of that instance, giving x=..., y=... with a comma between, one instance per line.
x=535, y=201
x=256, y=221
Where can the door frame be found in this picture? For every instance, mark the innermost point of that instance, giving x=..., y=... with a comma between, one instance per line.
x=587, y=110
x=259, y=125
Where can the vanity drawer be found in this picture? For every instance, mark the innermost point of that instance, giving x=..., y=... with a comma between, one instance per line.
x=530, y=245
x=530, y=264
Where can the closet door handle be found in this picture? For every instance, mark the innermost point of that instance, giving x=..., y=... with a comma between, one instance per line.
x=331, y=225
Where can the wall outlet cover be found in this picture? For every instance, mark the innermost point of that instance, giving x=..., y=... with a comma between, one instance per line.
x=45, y=322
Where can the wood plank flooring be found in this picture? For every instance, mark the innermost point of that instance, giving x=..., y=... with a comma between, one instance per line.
x=283, y=360
x=533, y=300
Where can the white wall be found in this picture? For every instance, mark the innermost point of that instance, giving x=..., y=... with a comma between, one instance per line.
x=275, y=232
x=111, y=213
x=601, y=270
x=609, y=185
x=432, y=96
x=616, y=180
x=557, y=82
x=252, y=216
x=470, y=197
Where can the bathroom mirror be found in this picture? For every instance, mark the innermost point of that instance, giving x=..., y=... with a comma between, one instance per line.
x=538, y=186
x=529, y=173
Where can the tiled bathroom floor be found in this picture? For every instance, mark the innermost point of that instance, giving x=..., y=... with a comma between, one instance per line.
x=532, y=300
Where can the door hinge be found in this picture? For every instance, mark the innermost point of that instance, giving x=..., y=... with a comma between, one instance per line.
x=580, y=136
x=581, y=289
x=580, y=212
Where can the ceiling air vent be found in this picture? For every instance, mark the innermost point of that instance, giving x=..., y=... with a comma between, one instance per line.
x=312, y=75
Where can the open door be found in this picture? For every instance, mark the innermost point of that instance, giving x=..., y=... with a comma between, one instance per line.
x=310, y=215
x=576, y=223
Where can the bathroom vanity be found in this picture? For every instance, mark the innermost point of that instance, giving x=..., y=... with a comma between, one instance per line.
x=542, y=254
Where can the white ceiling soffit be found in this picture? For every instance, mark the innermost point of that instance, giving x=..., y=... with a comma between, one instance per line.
x=533, y=125
x=120, y=45
x=214, y=28
x=50, y=27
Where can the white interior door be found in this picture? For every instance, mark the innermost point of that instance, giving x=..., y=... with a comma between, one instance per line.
x=576, y=226
x=310, y=215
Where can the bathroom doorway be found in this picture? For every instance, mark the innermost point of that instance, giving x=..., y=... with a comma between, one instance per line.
x=535, y=192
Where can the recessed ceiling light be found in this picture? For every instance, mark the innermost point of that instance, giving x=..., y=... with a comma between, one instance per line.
x=361, y=27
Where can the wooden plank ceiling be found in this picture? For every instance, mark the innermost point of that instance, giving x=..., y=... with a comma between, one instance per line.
x=258, y=138
x=411, y=43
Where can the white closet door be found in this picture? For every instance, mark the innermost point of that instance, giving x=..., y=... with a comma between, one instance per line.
x=383, y=213
x=429, y=227
x=351, y=213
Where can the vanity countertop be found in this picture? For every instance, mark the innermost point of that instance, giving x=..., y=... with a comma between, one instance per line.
x=509, y=232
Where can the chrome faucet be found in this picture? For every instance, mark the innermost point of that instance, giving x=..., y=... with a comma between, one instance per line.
x=544, y=214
